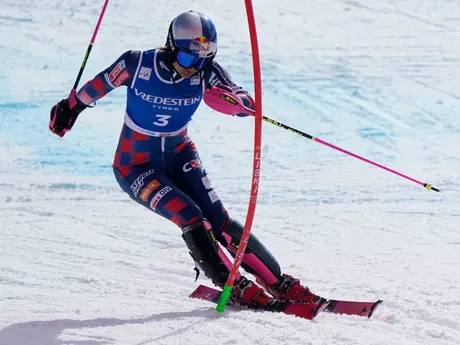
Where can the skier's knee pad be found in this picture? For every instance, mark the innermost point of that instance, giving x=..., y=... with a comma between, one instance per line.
x=205, y=250
x=257, y=259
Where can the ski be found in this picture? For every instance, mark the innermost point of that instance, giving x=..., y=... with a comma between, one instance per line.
x=306, y=311
x=365, y=309
x=302, y=310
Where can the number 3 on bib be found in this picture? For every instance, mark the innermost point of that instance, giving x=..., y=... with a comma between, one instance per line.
x=162, y=120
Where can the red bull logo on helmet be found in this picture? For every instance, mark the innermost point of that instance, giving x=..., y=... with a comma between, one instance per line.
x=200, y=44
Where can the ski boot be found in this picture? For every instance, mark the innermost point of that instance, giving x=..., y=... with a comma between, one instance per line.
x=249, y=294
x=288, y=288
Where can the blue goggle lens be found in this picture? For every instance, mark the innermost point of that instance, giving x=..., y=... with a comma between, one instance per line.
x=188, y=60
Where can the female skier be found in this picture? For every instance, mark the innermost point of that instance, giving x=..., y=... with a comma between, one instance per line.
x=158, y=165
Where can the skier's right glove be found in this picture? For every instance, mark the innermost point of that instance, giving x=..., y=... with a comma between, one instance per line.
x=64, y=114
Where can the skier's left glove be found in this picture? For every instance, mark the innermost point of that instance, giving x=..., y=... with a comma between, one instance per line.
x=64, y=114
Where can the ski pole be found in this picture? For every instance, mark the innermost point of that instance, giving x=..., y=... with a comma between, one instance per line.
x=228, y=103
x=319, y=141
x=224, y=297
x=90, y=46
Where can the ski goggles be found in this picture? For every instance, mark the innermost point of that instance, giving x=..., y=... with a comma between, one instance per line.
x=187, y=60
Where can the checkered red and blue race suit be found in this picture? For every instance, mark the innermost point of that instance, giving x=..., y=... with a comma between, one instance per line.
x=156, y=162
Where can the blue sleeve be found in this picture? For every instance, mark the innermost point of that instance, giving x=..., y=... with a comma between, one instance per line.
x=121, y=72
x=217, y=75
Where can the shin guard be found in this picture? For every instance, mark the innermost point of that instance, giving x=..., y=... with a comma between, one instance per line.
x=257, y=259
x=207, y=253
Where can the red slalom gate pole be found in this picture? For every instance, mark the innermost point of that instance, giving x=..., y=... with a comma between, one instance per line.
x=256, y=162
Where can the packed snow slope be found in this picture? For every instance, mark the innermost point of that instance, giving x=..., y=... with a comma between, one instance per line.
x=80, y=263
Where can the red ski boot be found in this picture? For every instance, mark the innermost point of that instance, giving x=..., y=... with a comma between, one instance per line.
x=247, y=293
x=288, y=288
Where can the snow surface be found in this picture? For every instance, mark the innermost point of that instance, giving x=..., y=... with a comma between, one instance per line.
x=80, y=263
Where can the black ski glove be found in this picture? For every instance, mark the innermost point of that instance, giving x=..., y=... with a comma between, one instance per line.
x=64, y=114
